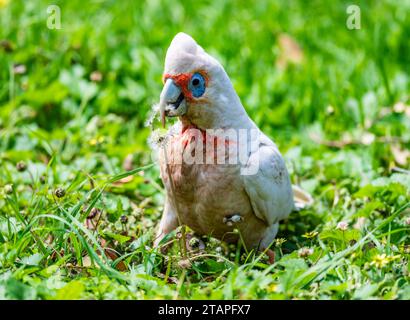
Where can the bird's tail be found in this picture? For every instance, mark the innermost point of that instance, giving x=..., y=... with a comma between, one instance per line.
x=301, y=198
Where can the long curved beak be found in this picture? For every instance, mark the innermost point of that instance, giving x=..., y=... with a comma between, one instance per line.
x=170, y=100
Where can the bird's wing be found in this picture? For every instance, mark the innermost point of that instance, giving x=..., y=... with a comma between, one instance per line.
x=269, y=189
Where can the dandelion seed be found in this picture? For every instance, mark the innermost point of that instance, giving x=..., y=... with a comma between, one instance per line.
x=152, y=115
x=194, y=242
x=330, y=109
x=158, y=139
x=342, y=225
x=59, y=192
x=8, y=189
x=21, y=166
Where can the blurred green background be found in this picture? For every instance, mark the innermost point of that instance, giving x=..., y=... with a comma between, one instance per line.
x=356, y=72
x=74, y=102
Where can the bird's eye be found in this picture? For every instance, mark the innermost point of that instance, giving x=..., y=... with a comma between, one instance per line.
x=197, y=85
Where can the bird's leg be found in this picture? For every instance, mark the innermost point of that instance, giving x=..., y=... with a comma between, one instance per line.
x=267, y=241
x=168, y=223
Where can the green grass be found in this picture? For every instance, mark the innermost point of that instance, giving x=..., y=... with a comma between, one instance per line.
x=340, y=114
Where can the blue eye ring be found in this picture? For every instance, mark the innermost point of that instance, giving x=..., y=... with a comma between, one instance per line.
x=197, y=85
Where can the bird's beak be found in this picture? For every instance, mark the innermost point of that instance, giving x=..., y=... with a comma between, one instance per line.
x=172, y=101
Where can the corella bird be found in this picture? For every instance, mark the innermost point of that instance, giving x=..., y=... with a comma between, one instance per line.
x=206, y=189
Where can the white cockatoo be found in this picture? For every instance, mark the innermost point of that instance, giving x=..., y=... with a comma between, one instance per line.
x=215, y=197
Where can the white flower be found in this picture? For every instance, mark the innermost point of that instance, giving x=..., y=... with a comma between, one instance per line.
x=19, y=69
x=305, y=252
x=342, y=225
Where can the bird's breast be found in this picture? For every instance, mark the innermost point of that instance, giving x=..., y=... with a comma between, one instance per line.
x=205, y=192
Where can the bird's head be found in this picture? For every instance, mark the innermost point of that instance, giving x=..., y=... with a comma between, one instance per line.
x=196, y=87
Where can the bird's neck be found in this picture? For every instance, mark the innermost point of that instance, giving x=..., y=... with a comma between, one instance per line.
x=187, y=124
x=224, y=113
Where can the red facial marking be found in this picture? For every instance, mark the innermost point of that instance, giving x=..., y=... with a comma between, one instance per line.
x=182, y=80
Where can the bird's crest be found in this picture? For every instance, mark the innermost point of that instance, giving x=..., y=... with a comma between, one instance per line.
x=184, y=54
x=183, y=43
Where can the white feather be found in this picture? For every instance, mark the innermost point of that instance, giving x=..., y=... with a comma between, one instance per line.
x=270, y=189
